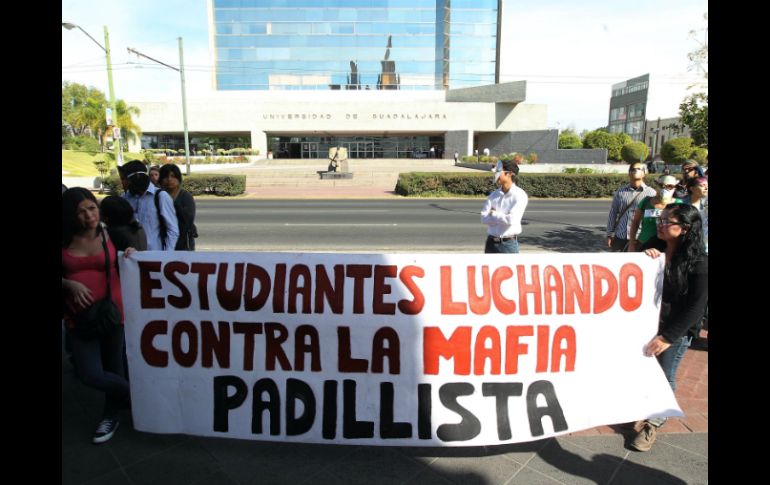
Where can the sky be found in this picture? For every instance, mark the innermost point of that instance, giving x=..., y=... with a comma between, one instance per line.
x=570, y=53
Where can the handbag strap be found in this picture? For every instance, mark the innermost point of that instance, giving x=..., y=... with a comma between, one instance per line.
x=620, y=214
x=106, y=263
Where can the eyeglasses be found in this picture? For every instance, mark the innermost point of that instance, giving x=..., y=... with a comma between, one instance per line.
x=669, y=187
x=688, y=169
x=635, y=169
x=667, y=222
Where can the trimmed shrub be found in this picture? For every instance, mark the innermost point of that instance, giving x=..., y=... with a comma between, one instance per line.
x=612, y=142
x=676, y=150
x=569, y=140
x=545, y=185
x=196, y=184
x=81, y=143
x=635, y=151
x=699, y=155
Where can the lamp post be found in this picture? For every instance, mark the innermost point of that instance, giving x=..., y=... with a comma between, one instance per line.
x=654, y=142
x=184, y=97
x=113, y=123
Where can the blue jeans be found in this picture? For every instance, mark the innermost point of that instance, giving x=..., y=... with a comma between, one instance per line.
x=510, y=246
x=669, y=361
x=99, y=364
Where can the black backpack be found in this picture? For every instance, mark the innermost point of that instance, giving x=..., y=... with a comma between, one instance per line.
x=162, y=230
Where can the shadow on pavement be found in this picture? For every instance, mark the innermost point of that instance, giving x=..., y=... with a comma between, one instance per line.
x=571, y=239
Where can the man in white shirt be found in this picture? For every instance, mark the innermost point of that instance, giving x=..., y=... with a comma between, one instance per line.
x=503, y=210
x=141, y=196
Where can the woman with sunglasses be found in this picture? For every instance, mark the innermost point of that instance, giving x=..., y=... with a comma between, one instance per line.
x=685, y=292
x=690, y=170
x=648, y=211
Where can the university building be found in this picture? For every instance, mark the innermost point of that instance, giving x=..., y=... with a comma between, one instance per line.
x=383, y=78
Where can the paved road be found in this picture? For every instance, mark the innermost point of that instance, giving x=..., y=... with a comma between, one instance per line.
x=423, y=225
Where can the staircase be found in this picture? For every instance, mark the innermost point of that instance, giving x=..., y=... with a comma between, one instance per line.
x=376, y=173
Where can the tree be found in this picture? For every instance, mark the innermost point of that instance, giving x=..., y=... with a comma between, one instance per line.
x=694, y=113
x=601, y=139
x=694, y=109
x=102, y=162
x=569, y=140
x=84, y=111
x=634, y=151
x=81, y=108
x=676, y=150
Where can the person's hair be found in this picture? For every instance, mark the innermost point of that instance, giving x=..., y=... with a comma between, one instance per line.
x=70, y=199
x=117, y=211
x=136, y=174
x=690, y=163
x=642, y=164
x=695, y=181
x=155, y=167
x=691, y=247
x=170, y=168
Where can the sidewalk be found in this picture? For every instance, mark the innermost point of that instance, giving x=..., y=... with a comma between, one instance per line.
x=680, y=455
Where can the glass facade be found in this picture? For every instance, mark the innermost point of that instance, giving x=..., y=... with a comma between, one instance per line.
x=357, y=146
x=354, y=44
x=627, y=107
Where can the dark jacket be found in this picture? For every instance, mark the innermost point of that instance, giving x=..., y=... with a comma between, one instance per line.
x=185, y=214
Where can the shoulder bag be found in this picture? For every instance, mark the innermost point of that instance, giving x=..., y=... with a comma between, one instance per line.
x=103, y=316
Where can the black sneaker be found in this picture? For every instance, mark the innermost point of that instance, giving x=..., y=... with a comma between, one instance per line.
x=106, y=429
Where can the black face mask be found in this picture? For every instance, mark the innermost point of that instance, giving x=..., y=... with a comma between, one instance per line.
x=138, y=183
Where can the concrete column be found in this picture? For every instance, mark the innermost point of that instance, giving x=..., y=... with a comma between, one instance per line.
x=135, y=144
x=259, y=142
x=458, y=141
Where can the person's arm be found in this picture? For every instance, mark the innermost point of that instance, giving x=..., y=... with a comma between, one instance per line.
x=515, y=214
x=635, y=226
x=169, y=214
x=81, y=294
x=188, y=207
x=614, y=208
x=486, y=209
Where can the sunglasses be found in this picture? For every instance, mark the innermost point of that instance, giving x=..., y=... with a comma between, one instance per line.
x=635, y=169
x=688, y=169
x=667, y=222
x=669, y=187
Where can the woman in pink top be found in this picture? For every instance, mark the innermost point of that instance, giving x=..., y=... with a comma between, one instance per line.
x=99, y=361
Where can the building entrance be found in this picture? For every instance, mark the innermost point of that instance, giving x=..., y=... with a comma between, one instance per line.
x=418, y=146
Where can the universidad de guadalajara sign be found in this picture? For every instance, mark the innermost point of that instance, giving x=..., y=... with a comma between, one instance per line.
x=391, y=349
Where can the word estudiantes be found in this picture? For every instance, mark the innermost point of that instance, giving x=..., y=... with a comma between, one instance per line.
x=306, y=289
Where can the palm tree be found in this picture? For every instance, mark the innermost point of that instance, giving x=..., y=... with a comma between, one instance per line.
x=128, y=129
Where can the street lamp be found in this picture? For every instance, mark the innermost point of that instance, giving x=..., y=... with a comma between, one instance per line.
x=113, y=123
x=654, y=142
x=184, y=96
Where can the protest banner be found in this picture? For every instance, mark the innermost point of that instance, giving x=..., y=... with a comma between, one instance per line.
x=391, y=349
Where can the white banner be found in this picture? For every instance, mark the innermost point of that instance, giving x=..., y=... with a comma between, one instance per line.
x=391, y=349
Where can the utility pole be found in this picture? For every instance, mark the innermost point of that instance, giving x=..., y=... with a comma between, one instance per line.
x=116, y=135
x=184, y=107
x=184, y=97
x=112, y=122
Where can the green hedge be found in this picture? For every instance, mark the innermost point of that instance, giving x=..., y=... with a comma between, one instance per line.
x=196, y=184
x=543, y=185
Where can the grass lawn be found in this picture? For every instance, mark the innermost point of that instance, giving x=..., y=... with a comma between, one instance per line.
x=79, y=164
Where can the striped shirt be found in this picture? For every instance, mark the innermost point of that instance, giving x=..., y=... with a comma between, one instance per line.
x=623, y=198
